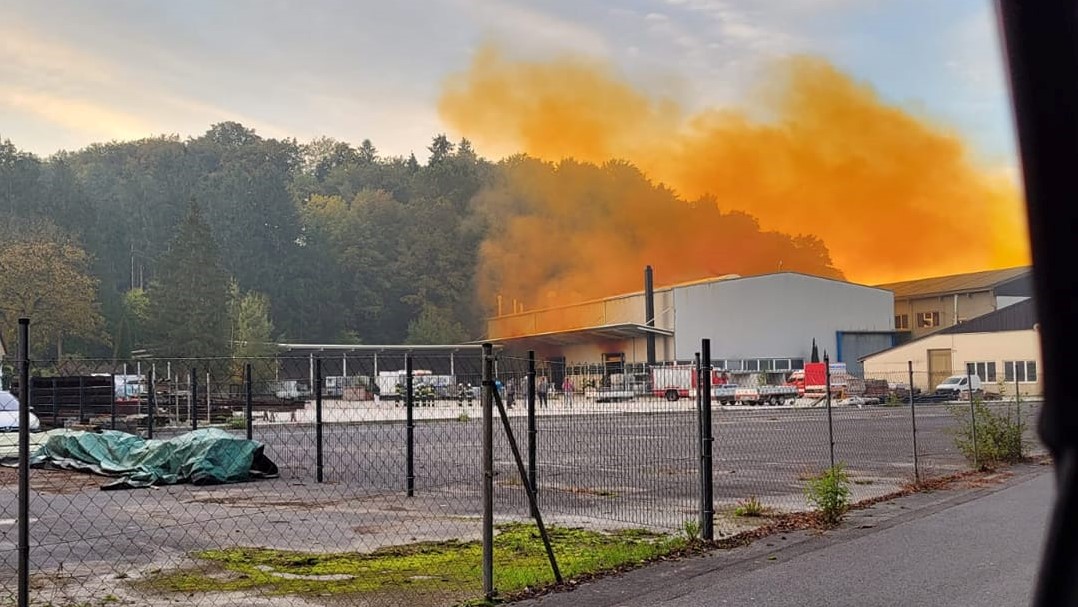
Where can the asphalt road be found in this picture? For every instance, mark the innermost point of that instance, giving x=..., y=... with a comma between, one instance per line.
x=960, y=552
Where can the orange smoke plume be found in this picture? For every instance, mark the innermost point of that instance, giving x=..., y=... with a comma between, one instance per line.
x=892, y=195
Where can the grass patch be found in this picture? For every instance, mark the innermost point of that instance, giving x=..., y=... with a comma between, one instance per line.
x=237, y=423
x=691, y=528
x=443, y=569
x=749, y=507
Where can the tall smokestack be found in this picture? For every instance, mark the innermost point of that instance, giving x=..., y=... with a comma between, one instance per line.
x=649, y=311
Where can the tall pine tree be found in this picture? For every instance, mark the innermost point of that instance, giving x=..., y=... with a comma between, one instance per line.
x=189, y=299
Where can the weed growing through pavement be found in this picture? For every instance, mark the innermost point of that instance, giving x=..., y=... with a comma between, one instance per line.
x=829, y=494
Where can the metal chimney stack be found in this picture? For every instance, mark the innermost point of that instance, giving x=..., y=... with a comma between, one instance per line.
x=649, y=311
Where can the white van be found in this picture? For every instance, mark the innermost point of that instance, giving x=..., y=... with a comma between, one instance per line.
x=958, y=386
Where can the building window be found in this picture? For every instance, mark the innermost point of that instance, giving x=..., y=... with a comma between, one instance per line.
x=1024, y=371
x=902, y=321
x=782, y=364
x=767, y=364
x=928, y=319
x=751, y=365
x=797, y=363
x=984, y=370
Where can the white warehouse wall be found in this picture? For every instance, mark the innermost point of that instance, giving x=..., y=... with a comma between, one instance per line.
x=776, y=315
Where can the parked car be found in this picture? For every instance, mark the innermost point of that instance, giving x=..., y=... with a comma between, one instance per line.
x=958, y=386
x=9, y=414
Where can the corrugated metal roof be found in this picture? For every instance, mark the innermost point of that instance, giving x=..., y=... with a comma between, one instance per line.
x=1016, y=317
x=956, y=283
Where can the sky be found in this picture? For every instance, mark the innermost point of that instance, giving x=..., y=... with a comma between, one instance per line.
x=75, y=72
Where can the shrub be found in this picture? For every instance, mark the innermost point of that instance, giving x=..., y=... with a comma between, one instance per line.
x=237, y=423
x=749, y=507
x=829, y=493
x=998, y=435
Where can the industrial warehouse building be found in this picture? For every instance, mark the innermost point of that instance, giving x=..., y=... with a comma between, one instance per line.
x=1002, y=347
x=926, y=305
x=764, y=323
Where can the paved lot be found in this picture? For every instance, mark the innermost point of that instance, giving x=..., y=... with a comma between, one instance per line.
x=974, y=547
x=603, y=466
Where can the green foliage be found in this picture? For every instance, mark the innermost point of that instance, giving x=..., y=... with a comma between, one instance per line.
x=45, y=276
x=999, y=434
x=252, y=329
x=237, y=423
x=131, y=326
x=189, y=301
x=691, y=528
x=435, y=326
x=749, y=507
x=448, y=569
x=829, y=494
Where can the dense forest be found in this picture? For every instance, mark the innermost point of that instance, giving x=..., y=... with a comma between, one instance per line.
x=227, y=241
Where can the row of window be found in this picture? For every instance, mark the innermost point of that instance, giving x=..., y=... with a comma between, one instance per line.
x=761, y=364
x=1024, y=371
x=751, y=364
x=924, y=320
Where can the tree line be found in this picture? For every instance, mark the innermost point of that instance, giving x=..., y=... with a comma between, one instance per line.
x=218, y=244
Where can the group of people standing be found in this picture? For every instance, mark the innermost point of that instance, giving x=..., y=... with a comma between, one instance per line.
x=543, y=389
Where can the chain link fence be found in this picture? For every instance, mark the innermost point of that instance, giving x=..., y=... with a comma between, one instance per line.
x=378, y=485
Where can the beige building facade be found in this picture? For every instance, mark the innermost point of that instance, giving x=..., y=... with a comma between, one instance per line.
x=927, y=305
x=1002, y=347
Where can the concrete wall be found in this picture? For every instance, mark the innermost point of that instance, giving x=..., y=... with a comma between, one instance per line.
x=965, y=347
x=970, y=305
x=775, y=316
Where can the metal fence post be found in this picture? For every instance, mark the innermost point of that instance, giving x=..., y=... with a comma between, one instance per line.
x=533, y=431
x=55, y=403
x=248, y=414
x=24, y=464
x=151, y=403
x=913, y=424
x=112, y=399
x=830, y=424
x=193, y=398
x=409, y=427
x=707, y=504
x=82, y=400
x=488, y=471
x=1018, y=412
x=973, y=419
x=318, y=461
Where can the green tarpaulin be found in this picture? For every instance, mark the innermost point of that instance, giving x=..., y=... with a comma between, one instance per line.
x=202, y=457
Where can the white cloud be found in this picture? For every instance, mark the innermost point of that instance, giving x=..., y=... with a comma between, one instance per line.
x=79, y=115
x=535, y=29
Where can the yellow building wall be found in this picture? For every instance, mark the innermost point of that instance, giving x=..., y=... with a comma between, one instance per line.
x=966, y=347
x=970, y=305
